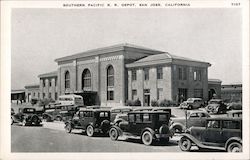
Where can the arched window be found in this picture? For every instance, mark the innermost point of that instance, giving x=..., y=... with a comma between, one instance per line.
x=86, y=79
x=67, y=80
x=110, y=83
x=110, y=76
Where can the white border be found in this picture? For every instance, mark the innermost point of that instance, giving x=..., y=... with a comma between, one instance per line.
x=6, y=7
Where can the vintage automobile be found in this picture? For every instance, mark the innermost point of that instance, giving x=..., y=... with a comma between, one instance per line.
x=58, y=112
x=119, y=111
x=194, y=118
x=219, y=133
x=120, y=117
x=26, y=116
x=234, y=113
x=216, y=106
x=234, y=106
x=148, y=125
x=91, y=120
x=192, y=103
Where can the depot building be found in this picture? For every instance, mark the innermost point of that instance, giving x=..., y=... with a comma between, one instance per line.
x=112, y=75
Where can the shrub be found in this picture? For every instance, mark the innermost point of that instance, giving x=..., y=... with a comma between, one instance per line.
x=154, y=103
x=136, y=102
x=167, y=103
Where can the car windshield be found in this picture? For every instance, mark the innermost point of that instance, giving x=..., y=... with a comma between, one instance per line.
x=28, y=110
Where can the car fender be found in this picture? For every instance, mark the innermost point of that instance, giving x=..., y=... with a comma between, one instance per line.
x=120, y=132
x=150, y=130
x=177, y=125
x=233, y=139
x=46, y=114
x=193, y=139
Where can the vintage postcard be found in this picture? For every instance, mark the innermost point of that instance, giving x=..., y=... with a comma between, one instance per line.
x=125, y=79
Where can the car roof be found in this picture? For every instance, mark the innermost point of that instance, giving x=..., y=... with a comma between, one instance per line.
x=195, y=98
x=225, y=118
x=215, y=100
x=134, y=112
x=94, y=109
x=197, y=111
x=121, y=107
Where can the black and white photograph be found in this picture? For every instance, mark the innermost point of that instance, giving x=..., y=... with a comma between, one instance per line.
x=127, y=77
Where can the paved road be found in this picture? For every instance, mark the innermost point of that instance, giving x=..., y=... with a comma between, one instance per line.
x=40, y=139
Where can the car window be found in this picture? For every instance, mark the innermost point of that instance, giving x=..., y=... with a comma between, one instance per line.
x=231, y=124
x=81, y=114
x=146, y=118
x=213, y=124
x=103, y=114
x=162, y=117
x=131, y=118
x=194, y=115
x=138, y=118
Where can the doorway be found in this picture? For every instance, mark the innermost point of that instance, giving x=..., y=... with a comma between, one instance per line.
x=146, y=97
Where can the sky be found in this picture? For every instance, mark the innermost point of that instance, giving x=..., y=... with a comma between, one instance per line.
x=39, y=36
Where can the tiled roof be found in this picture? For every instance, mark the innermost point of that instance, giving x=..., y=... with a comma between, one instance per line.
x=161, y=58
x=108, y=49
x=50, y=74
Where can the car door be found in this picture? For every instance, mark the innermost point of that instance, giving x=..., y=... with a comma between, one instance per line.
x=213, y=133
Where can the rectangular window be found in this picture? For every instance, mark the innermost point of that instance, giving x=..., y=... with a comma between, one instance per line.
x=133, y=75
x=231, y=124
x=34, y=94
x=44, y=83
x=159, y=73
x=146, y=117
x=110, y=95
x=55, y=82
x=146, y=74
x=182, y=73
x=131, y=118
x=49, y=95
x=159, y=93
x=134, y=94
x=43, y=95
x=111, y=81
x=197, y=75
x=138, y=118
x=50, y=83
x=182, y=94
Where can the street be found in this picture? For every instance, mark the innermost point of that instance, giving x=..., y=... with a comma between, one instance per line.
x=41, y=139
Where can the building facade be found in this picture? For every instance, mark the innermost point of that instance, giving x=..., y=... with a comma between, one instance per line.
x=165, y=76
x=112, y=75
x=48, y=85
x=32, y=92
x=231, y=92
x=214, y=88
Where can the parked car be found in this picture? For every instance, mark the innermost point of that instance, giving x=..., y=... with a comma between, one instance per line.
x=91, y=120
x=118, y=112
x=216, y=106
x=194, y=118
x=59, y=112
x=235, y=106
x=192, y=103
x=26, y=116
x=148, y=125
x=219, y=133
x=234, y=113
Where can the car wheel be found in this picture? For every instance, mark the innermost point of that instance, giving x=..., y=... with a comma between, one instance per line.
x=177, y=129
x=113, y=134
x=234, y=147
x=147, y=138
x=185, y=144
x=68, y=128
x=24, y=122
x=90, y=131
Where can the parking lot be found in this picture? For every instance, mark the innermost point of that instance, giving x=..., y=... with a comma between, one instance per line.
x=51, y=137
